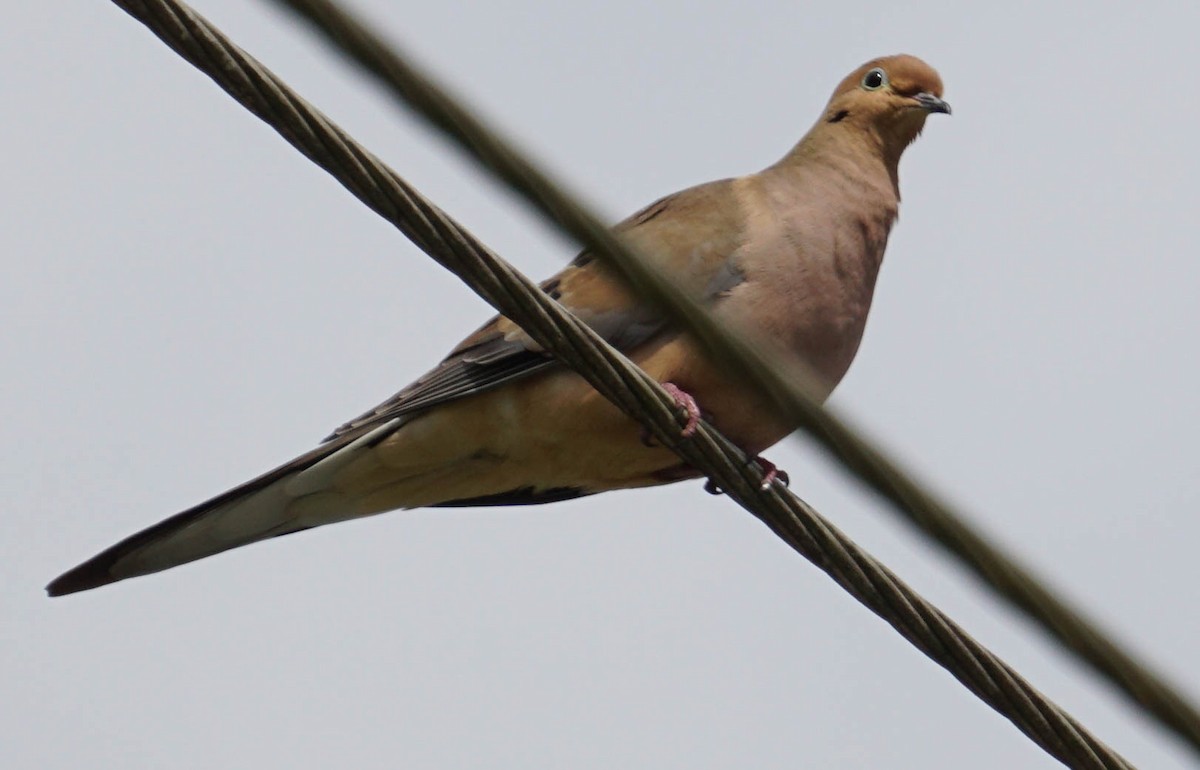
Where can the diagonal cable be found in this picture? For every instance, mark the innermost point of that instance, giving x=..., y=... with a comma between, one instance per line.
x=627, y=386
x=917, y=504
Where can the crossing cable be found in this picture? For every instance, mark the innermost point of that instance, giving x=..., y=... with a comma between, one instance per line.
x=616, y=378
x=919, y=506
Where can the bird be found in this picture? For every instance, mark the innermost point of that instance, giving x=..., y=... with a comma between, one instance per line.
x=789, y=254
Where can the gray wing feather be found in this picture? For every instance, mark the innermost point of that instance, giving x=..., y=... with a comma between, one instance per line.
x=490, y=364
x=486, y=361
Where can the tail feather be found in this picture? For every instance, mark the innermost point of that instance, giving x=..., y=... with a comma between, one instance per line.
x=290, y=498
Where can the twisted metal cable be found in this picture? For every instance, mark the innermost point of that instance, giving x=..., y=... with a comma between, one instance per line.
x=628, y=387
x=917, y=505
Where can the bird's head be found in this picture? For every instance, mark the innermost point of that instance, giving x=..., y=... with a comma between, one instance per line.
x=888, y=98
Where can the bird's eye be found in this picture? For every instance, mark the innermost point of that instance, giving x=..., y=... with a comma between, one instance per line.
x=875, y=79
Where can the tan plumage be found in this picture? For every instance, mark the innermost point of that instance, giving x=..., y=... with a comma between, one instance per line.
x=789, y=254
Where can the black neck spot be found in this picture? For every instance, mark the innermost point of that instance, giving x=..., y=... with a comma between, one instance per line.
x=839, y=117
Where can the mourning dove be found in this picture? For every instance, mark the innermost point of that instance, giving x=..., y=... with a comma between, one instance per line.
x=789, y=255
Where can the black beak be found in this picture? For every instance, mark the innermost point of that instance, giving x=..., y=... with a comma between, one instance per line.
x=931, y=103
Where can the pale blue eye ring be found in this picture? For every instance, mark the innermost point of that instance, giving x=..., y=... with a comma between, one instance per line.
x=875, y=79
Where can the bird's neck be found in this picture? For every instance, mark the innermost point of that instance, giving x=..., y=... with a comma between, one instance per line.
x=845, y=177
x=854, y=150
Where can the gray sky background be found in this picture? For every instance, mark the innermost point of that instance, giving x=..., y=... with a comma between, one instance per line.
x=187, y=302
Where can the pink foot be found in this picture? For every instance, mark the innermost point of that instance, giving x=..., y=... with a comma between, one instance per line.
x=770, y=472
x=688, y=405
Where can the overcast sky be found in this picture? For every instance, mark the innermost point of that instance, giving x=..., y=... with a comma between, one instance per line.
x=187, y=302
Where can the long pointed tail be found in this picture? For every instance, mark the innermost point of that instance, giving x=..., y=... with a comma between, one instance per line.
x=290, y=498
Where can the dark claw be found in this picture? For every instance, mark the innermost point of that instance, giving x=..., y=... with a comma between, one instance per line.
x=711, y=487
